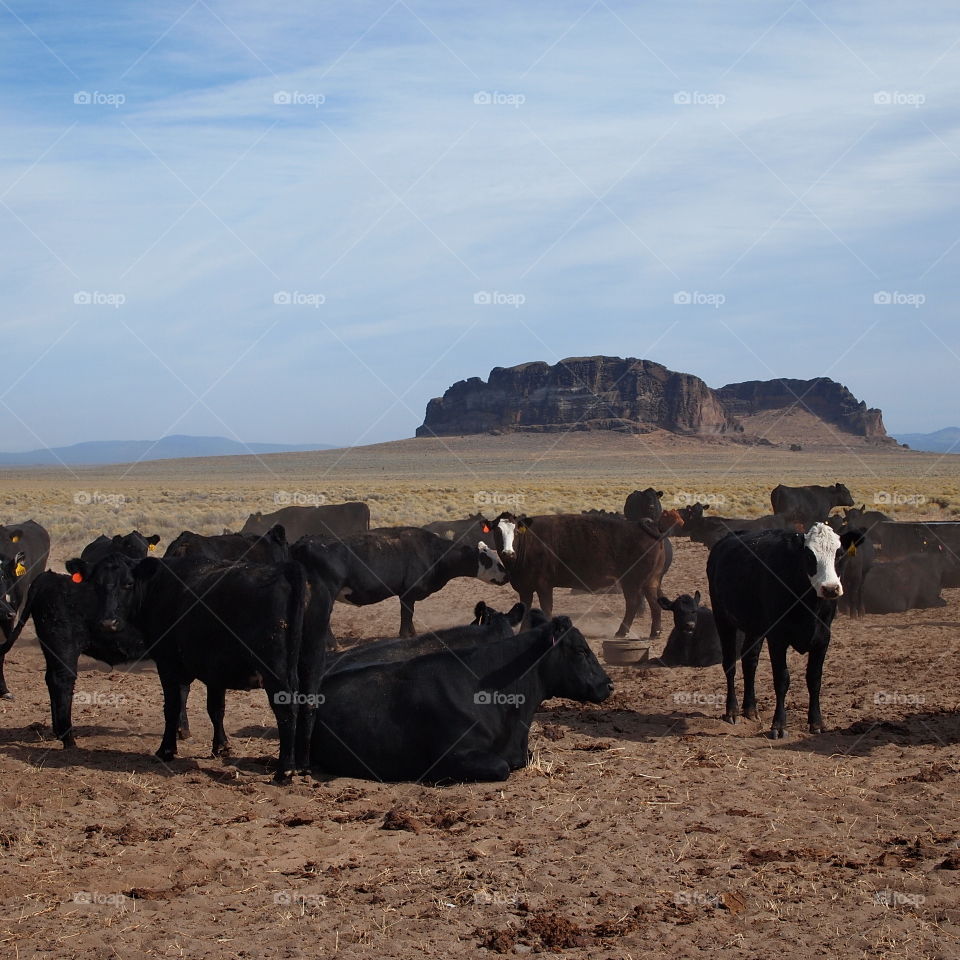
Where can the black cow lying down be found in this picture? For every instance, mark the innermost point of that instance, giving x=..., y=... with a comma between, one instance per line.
x=455, y=715
x=907, y=583
x=235, y=626
x=693, y=641
x=495, y=626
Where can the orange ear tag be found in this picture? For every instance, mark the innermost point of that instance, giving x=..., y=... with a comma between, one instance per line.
x=77, y=578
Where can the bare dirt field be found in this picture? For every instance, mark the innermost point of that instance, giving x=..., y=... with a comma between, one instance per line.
x=645, y=827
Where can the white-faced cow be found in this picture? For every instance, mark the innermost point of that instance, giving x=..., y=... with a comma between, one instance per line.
x=808, y=505
x=405, y=562
x=573, y=550
x=782, y=586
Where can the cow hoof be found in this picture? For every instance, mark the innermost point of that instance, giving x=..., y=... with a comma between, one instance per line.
x=164, y=754
x=751, y=714
x=69, y=743
x=183, y=734
x=777, y=733
x=222, y=751
x=7, y=695
x=817, y=728
x=282, y=777
x=730, y=718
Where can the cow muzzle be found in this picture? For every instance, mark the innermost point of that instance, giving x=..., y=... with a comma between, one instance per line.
x=112, y=625
x=830, y=591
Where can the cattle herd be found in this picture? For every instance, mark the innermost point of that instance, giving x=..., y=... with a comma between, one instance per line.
x=252, y=610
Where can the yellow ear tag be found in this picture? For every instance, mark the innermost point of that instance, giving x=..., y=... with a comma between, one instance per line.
x=521, y=529
x=852, y=550
x=20, y=570
x=152, y=546
x=14, y=539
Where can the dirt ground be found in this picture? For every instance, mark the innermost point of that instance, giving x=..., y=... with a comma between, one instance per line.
x=644, y=827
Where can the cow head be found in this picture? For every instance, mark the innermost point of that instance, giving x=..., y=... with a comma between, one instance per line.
x=506, y=530
x=670, y=522
x=643, y=503
x=484, y=615
x=843, y=496
x=574, y=670
x=684, y=610
x=824, y=556
x=114, y=580
x=489, y=567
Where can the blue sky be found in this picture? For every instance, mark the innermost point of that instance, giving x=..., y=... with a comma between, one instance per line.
x=274, y=224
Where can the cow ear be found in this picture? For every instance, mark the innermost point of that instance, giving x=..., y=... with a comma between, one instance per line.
x=486, y=528
x=665, y=603
x=146, y=568
x=523, y=523
x=558, y=627
x=850, y=540
x=479, y=610
x=15, y=535
x=705, y=506
x=696, y=597
x=516, y=613
x=659, y=494
x=153, y=540
x=79, y=569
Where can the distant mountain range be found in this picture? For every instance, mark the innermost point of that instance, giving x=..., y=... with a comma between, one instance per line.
x=127, y=451
x=946, y=440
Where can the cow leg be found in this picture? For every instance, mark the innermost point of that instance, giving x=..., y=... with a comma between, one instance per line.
x=545, y=596
x=470, y=766
x=285, y=711
x=406, y=617
x=728, y=646
x=5, y=694
x=61, y=677
x=749, y=660
x=814, y=677
x=526, y=598
x=216, y=707
x=652, y=593
x=781, y=684
x=632, y=598
x=172, y=695
x=183, y=725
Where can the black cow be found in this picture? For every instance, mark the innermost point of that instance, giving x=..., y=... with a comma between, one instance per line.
x=484, y=615
x=454, y=715
x=24, y=548
x=573, y=550
x=64, y=610
x=234, y=626
x=270, y=547
x=469, y=530
x=711, y=530
x=405, y=562
x=859, y=562
x=808, y=505
x=863, y=518
x=498, y=626
x=334, y=521
x=693, y=641
x=906, y=583
x=643, y=505
x=692, y=516
x=783, y=586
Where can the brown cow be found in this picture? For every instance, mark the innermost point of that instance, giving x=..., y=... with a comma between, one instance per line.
x=573, y=550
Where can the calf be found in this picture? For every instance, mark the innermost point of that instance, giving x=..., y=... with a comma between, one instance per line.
x=405, y=562
x=24, y=548
x=454, y=715
x=906, y=583
x=270, y=547
x=782, y=586
x=693, y=641
x=235, y=626
x=572, y=550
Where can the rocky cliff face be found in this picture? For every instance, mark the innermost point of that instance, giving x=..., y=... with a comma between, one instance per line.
x=580, y=393
x=830, y=401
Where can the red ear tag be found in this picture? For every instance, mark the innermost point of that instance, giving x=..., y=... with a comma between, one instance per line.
x=485, y=528
x=77, y=578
